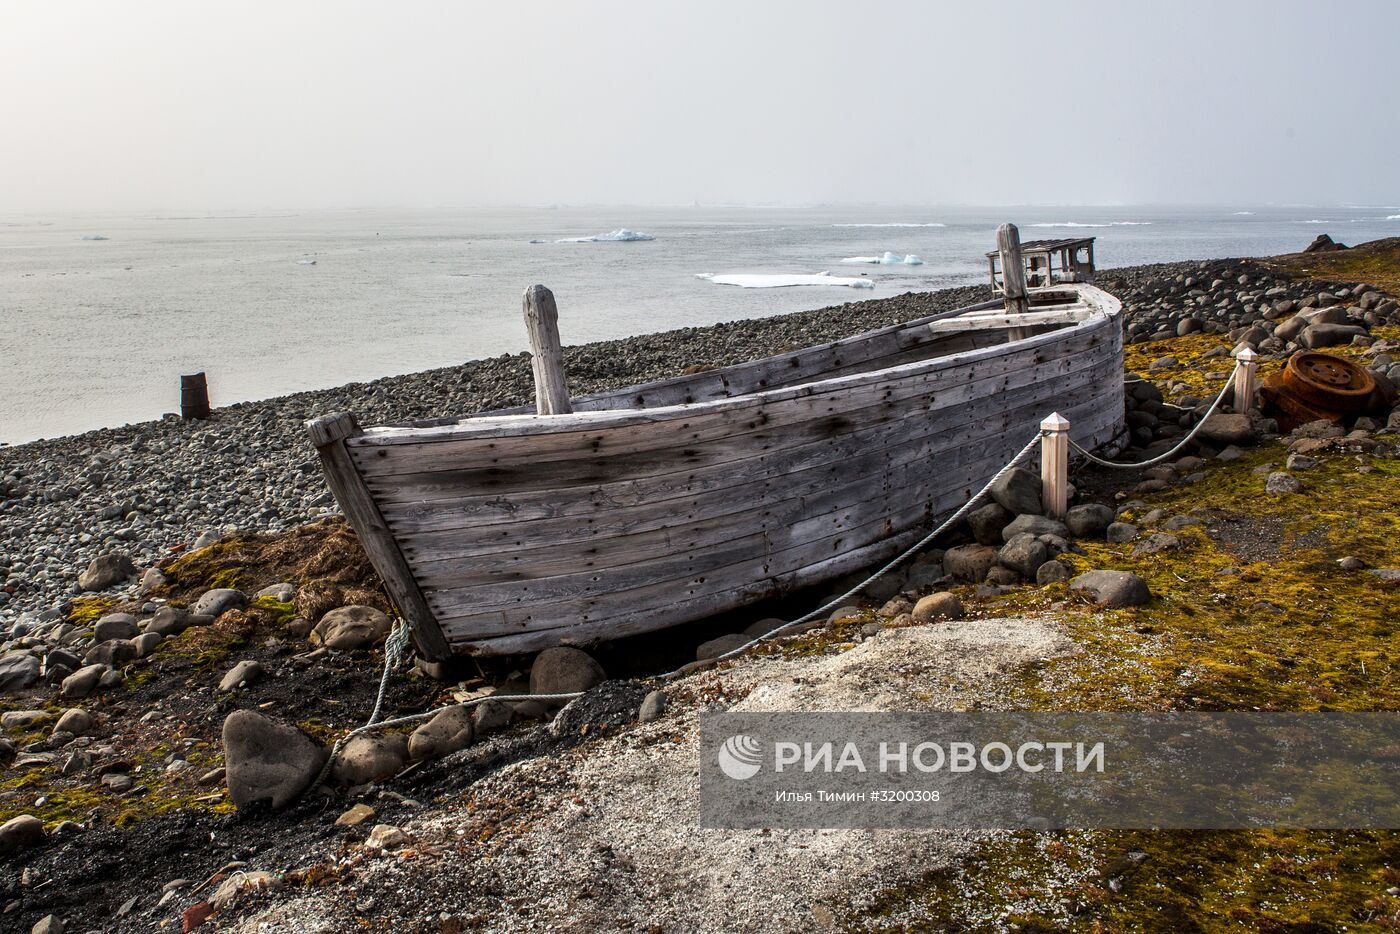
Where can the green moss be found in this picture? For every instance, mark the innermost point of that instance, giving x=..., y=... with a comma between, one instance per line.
x=83, y=612
x=1254, y=615
x=222, y=564
x=280, y=612
x=1168, y=881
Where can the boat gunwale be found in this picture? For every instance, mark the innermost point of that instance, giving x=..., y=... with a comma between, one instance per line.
x=1100, y=307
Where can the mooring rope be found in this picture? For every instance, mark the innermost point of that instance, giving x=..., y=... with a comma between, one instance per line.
x=1138, y=465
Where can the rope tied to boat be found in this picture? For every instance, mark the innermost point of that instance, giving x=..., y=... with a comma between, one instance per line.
x=1167, y=455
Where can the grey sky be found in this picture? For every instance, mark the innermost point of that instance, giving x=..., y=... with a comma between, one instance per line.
x=142, y=105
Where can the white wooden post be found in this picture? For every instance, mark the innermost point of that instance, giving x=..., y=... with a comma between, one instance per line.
x=1244, y=381
x=546, y=355
x=1013, y=270
x=1054, y=465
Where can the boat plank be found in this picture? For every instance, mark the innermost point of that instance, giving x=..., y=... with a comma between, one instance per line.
x=765, y=489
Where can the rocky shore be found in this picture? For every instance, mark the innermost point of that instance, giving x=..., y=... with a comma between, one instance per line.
x=189, y=628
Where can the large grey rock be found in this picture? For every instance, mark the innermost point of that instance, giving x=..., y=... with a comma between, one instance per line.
x=106, y=570
x=1052, y=572
x=490, y=716
x=1155, y=544
x=282, y=593
x=1113, y=588
x=114, y=626
x=21, y=833
x=146, y=643
x=1120, y=532
x=248, y=671
x=370, y=757
x=351, y=627
x=653, y=706
x=970, y=562
x=219, y=601
x=18, y=670
x=937, y=606
x=1224, y=428
x=169, y=621
x=84, y=681
x=564, y=670
x=1280, y=482
x=452, y=729
x=113, y=653
x=716, y=647
x=987, y=522
x=1018, y=491
x=74, y=720
x=1328, y=335
x=1024, y=554
x=266, y=761
x=1034, y=525
x=1090, y=520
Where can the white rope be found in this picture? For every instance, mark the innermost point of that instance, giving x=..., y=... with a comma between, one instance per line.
x=1138, y=465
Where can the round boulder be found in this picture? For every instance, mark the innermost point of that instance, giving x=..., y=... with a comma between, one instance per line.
x=1113, y=588
x=1024, y=554
x=564, y=670
x=105, y=571
x=75, y=720
x=970, y=562
x=1027, y=524
x=1018, y=491
x=21, y=833
x=938, y=606
x=18, y=670
x=1090, y=520
x=452, y=729
x=714, y=648
x=114, y=626
x=1052, y=572
x=351, y=627
x=370, y=757
x=219, y=601
x=267, y=761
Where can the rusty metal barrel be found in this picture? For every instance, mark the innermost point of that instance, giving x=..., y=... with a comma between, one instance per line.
x=1315, y=386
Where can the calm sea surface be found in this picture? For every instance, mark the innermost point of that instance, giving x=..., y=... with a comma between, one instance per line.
x=97, y=331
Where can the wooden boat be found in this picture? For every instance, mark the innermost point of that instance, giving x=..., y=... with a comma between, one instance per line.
x=667, y=502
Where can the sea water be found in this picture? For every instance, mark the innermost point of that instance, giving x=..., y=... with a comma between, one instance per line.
x=101, y=314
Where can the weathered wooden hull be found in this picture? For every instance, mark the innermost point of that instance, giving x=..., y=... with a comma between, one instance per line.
x=660, y=504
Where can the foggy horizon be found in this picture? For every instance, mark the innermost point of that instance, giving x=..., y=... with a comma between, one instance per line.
x=164, y=107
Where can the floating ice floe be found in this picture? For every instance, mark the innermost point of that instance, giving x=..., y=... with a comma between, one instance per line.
x=306, y=262
x=886, y=259
x=1393, y=217
x=889, y=225
x=1111, y=224
x=783, y=280
x=92, y=237
x=1243, y=214
x=621, y=235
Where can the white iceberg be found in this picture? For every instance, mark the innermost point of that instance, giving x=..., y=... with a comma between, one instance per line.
x=889, y=225
x=306, y=262
x=1393, y=217
x=784, y=280
x=92, y=237
x=1243, y=214
x=620, y=235
x=886, y=259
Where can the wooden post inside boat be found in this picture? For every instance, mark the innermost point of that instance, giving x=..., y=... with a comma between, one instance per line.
x=1054, y=465
x=1245, y=380
x=1013, y=272
x=547, y=356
